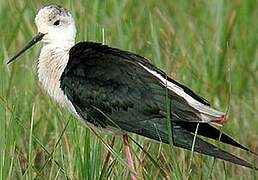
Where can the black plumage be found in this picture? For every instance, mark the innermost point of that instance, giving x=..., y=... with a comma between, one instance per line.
x=109, y=87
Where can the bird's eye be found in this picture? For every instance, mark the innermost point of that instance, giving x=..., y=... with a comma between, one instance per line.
x=56, y=23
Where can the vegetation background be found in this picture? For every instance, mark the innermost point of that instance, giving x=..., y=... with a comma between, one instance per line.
x=210, y=46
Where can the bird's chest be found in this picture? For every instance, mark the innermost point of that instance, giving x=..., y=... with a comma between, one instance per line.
x=51, y=65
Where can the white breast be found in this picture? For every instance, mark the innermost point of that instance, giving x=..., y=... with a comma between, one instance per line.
x=52, y=62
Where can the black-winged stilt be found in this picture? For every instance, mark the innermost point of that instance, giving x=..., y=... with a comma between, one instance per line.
x=115, y=89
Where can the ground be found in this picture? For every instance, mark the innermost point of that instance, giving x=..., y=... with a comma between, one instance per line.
x=210, y=46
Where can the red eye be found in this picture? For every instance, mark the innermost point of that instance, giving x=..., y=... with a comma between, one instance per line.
x=56, y=23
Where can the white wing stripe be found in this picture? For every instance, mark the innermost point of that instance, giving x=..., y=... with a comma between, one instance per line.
x=206, y=110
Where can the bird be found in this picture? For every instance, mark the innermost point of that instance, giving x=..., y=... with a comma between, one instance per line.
x=118, y=90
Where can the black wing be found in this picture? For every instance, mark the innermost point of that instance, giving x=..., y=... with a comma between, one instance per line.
x=108, y=87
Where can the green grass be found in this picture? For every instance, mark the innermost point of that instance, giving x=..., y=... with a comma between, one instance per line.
x=210, y=46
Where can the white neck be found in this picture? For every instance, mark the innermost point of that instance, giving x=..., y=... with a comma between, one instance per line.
x=52, y=62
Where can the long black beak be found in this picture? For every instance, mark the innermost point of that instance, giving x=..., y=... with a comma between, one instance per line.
x=34, y=40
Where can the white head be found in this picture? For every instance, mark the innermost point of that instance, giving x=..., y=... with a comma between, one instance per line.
x=56, y=28
x=57, y=24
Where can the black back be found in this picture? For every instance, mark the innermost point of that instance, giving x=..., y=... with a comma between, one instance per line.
x=109, y=87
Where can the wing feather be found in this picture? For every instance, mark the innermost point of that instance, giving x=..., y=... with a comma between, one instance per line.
x=110, y=87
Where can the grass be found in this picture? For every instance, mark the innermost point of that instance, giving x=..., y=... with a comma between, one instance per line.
x=211, y=46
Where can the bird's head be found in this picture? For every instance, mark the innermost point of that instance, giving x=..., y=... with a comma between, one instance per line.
x=55, y=25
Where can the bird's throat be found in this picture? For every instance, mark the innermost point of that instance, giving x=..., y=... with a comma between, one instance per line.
x=52, y=62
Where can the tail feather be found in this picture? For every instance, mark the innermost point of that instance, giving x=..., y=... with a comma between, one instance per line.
x=184, y=139
x=207, y=130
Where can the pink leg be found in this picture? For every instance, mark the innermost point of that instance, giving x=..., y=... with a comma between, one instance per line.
x=128, y=155
x=221, y=120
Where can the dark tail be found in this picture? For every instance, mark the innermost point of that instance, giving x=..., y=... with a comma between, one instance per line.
x=184, y=139
x=209, y=131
